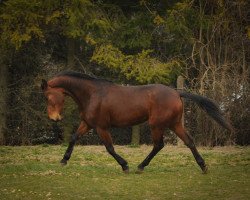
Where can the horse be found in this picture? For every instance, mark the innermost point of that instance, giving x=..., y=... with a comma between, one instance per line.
x=103, y=104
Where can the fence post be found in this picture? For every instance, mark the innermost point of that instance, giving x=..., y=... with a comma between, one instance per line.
x=180, y=86
x=3, y=100
x=135, y=138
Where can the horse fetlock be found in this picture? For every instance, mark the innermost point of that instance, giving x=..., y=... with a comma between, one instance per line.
x=124, y=163
x=200, y=162
x=125, y=169
x=202, y=165
x=141, y=167
x=204, y=169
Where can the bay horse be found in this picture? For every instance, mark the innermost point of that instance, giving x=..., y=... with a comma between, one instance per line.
x=103, y=104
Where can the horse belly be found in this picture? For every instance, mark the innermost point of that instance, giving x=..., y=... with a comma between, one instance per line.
x=128, y=115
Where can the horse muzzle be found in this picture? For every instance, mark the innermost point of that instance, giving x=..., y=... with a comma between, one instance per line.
x=55, y=117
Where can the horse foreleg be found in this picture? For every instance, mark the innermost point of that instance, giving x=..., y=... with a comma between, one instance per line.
x=107, y=140
x=157, y=137
x=188, y=141
x=82, y=129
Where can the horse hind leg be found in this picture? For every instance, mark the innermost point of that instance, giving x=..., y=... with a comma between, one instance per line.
x=157, y=137
x=188, y=141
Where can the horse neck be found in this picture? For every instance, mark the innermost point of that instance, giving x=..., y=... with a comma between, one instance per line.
x=76, y=88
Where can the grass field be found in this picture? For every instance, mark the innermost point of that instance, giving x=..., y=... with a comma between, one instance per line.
x=34, y=172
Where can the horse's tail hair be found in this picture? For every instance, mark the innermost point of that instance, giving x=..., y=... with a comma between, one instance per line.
x=209, y=106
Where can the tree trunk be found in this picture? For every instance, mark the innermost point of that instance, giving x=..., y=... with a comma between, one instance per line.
x=3, y=100
x=135, y=139
x=180, y=86
x=70, y=53
x=68, y=125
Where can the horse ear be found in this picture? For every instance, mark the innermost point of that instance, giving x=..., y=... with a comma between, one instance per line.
x=44, y=84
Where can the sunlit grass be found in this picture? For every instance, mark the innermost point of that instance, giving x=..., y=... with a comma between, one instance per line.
x=34, y=172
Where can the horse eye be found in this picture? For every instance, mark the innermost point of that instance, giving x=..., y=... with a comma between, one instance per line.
x=52, y=103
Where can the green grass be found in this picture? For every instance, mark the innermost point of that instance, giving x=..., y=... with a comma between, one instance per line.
x=34, y=172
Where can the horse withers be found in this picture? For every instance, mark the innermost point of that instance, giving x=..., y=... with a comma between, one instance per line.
x=103, y=104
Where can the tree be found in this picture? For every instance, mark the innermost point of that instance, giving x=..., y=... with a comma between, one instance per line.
x=128, y=42
x=215, y=53
x=3, y=96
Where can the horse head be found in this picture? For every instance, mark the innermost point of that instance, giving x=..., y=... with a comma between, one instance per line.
x=55, y=100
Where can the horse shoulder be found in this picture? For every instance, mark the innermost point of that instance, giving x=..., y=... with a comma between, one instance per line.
x=90, y=112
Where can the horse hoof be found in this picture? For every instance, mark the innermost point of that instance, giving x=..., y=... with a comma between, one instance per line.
x=139, y=171
x=205, y=170
x=126, y=171
x=63, y=162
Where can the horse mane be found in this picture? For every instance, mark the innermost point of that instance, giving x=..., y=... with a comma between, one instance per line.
x=79, y=75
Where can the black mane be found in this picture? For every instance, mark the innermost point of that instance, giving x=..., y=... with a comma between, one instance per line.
x=80, y=76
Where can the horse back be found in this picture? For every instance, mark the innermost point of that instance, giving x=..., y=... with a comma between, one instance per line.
x=129, y=105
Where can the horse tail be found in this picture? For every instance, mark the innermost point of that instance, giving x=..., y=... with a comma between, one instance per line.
x=211, y=108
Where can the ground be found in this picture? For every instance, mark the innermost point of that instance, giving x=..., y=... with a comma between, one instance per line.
x=34, y=172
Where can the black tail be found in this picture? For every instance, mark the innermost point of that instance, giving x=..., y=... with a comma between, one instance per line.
x=209, y=106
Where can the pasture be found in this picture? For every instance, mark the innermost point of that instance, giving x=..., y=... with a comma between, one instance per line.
x=34, y=172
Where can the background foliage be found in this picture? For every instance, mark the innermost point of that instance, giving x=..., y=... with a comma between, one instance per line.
x=128, y=42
